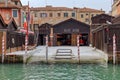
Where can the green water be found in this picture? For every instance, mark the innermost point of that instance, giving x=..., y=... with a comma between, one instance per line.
x=59, y=72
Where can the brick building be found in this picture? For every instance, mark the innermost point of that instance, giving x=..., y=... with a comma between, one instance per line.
x=54, y=15
x=85, y=14
x=10, y=9
x=51, y=14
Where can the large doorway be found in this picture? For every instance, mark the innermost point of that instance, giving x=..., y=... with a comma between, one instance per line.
x=83, y=40
x=41, y=39
x=71, y=39
x=63, y=39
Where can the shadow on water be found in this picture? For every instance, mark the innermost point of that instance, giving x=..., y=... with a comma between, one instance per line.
x=59, y=72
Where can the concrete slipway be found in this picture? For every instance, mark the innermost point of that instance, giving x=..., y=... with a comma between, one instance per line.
x=87, y=55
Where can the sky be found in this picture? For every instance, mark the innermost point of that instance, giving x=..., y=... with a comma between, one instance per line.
x=95, y=4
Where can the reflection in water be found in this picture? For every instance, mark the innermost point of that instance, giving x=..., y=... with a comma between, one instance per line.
x=113, y=74
x=2, y=72
x=59, y=72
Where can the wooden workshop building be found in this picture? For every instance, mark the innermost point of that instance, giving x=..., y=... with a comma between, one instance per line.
x=65, y=33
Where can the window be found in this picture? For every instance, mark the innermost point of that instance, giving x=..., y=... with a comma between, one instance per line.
x=35, y=14
x=75, y=30
x=86, y=20
x=67, y=30
x=50, y=14
x=73, y=14
x=86, y=14
x=16, y=3
x=58, y=14
x=65, y=14
x=43, y=15
x=82, y=16
x=15, y=13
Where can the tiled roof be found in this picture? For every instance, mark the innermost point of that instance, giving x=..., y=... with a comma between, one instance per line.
x=103, y=15
x=102, y=19
x=50, y=8
x=70, y=19
x=15, y=0
x=24, y=7
x=6, y=21
x=85, y=9
x=2, y=5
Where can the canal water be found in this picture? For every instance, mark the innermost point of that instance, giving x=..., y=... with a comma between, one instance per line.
x=59, y=72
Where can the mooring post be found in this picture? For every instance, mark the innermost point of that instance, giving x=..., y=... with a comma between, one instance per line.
x=3, y=48
x=47, y=48
x=26, y=48
x=114, y=49
x=51, y=36
x=78, y=45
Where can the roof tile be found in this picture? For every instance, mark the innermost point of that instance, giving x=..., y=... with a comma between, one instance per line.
x=85, y=9
x=2, y=5
x=50, y=8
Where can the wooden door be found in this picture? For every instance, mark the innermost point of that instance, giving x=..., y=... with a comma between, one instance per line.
x=74, y=40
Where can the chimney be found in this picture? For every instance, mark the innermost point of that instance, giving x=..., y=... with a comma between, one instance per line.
x=75, y=8
x=48, y=6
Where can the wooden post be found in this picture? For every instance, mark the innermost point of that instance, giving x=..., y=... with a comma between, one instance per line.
x=26, y=48
x=51, y=36
x=114, y=49
x=78, y=45
x=26, y=43
x=26, y=37
x=3, y=47
x=47, y=48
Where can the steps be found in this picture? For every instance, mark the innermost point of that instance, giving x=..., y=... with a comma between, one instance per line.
x=64, y=55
